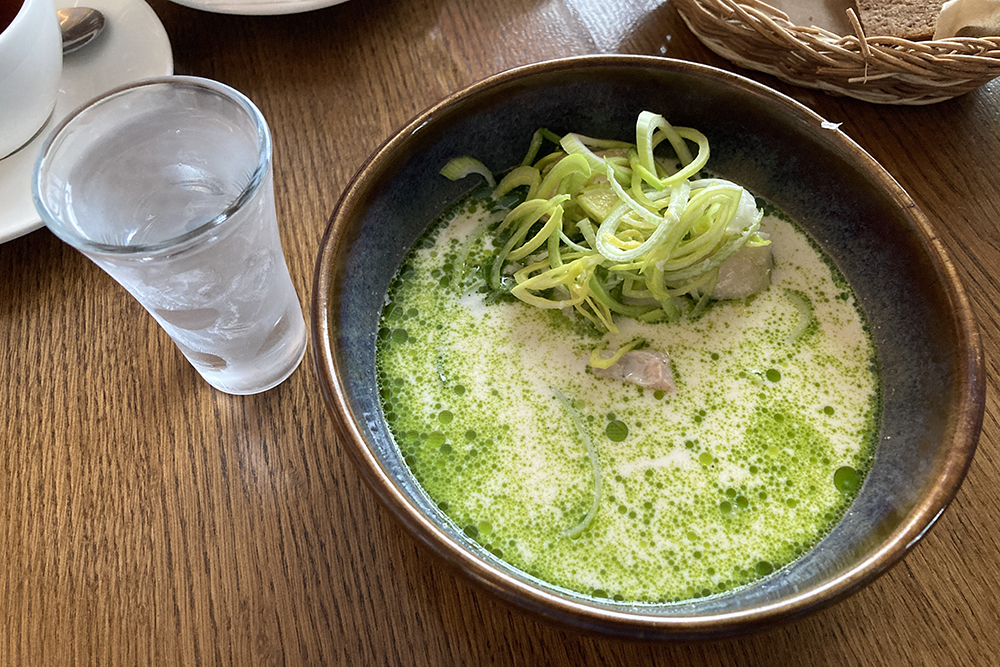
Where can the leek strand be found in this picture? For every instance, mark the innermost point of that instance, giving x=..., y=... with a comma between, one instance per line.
x=595, y=466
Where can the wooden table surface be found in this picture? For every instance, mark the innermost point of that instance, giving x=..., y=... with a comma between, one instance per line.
x=148, y=519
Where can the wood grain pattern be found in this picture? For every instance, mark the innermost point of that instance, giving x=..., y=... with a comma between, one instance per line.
x=148, y=520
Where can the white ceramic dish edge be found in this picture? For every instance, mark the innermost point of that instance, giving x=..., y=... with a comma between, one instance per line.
x=265, y=8
x=134, y=45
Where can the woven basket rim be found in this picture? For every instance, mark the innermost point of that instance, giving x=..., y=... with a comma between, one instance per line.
x=883, y=69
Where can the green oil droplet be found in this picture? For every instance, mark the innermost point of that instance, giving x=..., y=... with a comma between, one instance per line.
x=435, y=439
x=773, y=375
x=705, y=459
x=485, y=528
x=828, y=410
x=764, y=568
x=400, y=336
x=445, y=417
x=616, y=431
x=846, y=479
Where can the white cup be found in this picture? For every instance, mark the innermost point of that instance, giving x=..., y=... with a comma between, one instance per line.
x=30, y=67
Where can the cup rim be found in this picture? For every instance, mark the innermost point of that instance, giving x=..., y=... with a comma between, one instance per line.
x=18, y=18
x=257, y=178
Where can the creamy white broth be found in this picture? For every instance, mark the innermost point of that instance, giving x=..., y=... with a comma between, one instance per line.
x=717, y=484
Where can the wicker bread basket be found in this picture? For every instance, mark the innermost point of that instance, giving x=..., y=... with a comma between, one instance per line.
x=884, y=70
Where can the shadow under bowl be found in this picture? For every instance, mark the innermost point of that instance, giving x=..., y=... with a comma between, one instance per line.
x=924, y=333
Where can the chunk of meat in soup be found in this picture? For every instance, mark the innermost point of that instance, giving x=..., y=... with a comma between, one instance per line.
x=745, y=273
x=650, y=370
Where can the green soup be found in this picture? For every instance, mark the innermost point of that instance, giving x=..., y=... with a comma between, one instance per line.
x=746, y=466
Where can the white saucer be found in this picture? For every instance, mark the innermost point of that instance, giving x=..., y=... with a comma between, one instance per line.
x=258, y=7
x=132, y=46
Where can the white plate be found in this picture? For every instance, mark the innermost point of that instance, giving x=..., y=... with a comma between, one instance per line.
x=132, y=46
x=258, y=7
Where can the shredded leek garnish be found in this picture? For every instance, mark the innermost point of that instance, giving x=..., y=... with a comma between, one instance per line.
x=595, y=465
x=461, y=167
x=608, y=227
x=597, y=361
x=805, y=308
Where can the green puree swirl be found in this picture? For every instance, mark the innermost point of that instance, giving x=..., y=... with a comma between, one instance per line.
x=752, y=461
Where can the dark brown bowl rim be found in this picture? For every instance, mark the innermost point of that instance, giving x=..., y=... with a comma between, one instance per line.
x=575, y=613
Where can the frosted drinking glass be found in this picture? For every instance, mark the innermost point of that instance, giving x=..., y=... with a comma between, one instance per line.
x=166, y=184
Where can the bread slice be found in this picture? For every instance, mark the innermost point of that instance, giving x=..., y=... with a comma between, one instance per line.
x=908, y=19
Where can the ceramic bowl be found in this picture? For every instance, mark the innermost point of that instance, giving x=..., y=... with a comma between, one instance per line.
x=924, y=333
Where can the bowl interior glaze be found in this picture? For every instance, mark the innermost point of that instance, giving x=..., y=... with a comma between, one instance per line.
x=924, y=333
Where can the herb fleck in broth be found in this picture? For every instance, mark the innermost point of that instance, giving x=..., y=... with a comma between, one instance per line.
x=745, y=467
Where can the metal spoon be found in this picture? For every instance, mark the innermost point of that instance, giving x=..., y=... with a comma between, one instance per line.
x=79, y=26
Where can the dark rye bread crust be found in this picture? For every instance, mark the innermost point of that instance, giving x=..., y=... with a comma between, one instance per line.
x=908, y=19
